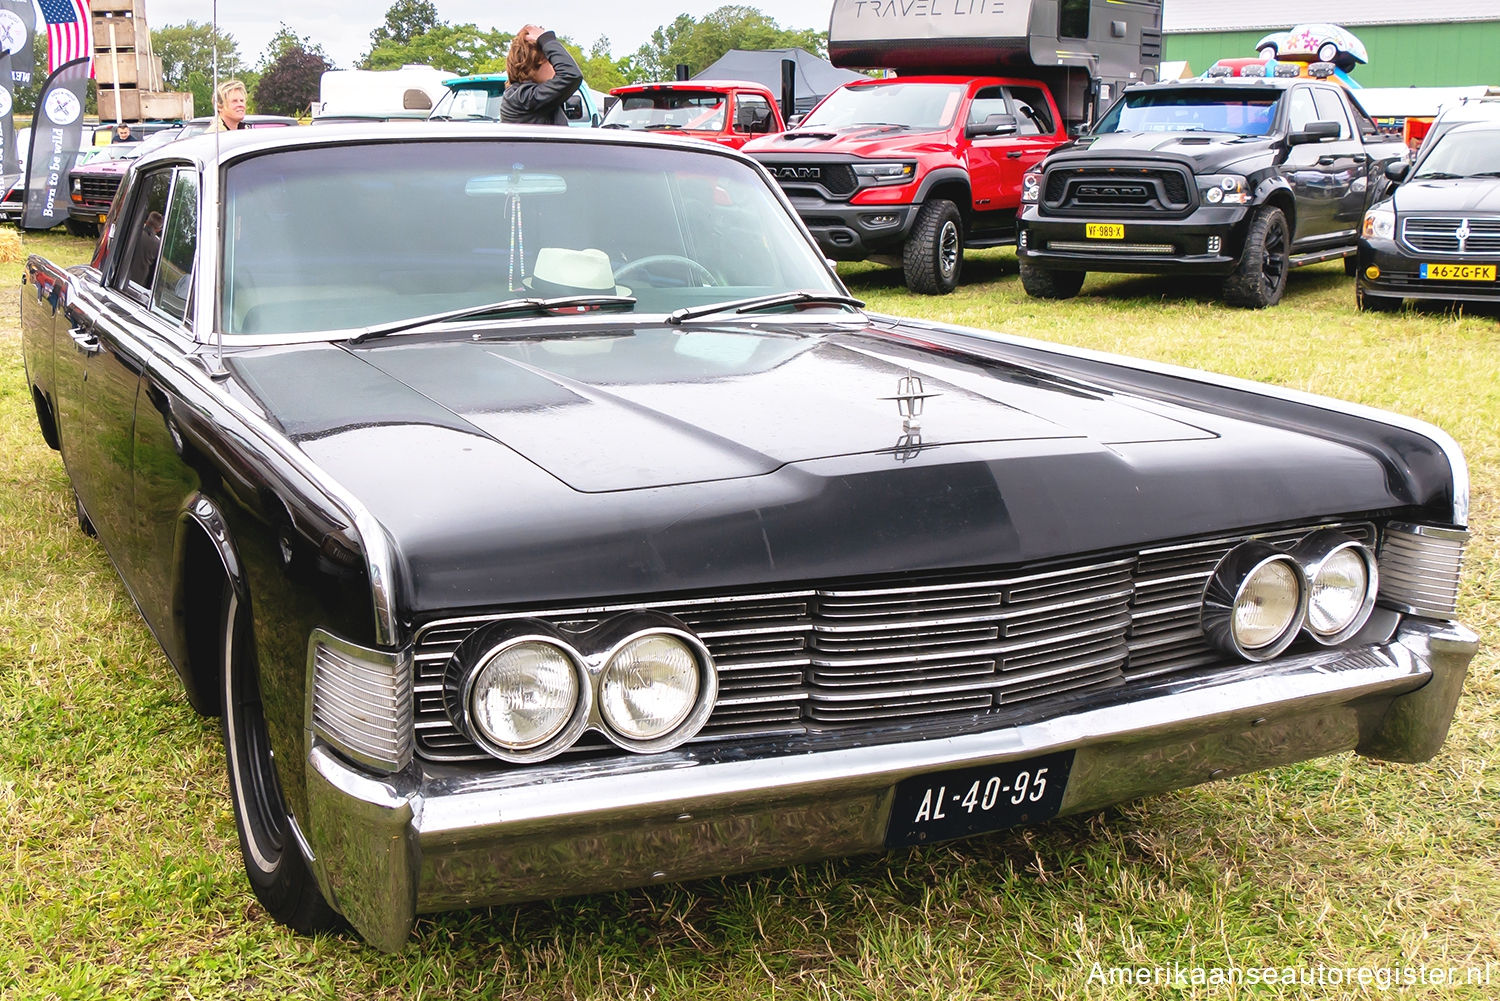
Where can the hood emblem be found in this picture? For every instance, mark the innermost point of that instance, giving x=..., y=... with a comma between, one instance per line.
x=1462, y=233
x=909, y=399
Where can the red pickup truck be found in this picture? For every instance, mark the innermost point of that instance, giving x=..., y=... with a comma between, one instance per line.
x=912, y=170
x=728, y=112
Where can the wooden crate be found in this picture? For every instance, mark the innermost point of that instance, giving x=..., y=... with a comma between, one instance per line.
x=140, y=105
x=135, y=8
x=129, y=69
x=128, y=32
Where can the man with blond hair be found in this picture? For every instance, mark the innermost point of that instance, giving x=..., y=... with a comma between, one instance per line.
x=539, y=77
x=230, y=97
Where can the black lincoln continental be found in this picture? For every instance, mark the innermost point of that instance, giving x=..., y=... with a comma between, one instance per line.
x=542, y=516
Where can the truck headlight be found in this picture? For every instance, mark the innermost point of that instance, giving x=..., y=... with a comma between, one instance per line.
x=881, y=172
x=1380, y=222
x=1031, y=187
x=1224, y=189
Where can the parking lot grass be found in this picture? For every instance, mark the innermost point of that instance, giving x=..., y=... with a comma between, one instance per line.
x=121, y=875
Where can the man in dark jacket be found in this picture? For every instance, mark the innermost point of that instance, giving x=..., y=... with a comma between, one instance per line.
x=540, y=76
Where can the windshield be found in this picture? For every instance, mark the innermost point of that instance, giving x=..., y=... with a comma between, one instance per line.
x=469, y=102
x=688, y=111
x=312, y=241
x=913, y=105
x=1463, y=153
x=1240, y=112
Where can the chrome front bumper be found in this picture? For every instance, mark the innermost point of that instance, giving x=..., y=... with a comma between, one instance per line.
x=388, y=849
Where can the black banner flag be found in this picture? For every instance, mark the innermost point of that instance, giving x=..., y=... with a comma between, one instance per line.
x=56, y=137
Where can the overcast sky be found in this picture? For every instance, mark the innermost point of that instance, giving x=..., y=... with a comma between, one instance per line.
x=343, y=27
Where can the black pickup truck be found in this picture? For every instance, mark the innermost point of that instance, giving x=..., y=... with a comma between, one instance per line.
x=1240, y=179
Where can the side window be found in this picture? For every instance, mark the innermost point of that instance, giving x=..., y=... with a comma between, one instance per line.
x=752, y=113
x=1363, y=121
x=1032, y=115
x=143, y=234
x=1073, y=18
x=174, y=274
x=989, y=101
x=1331, y=109
x=1301, y=112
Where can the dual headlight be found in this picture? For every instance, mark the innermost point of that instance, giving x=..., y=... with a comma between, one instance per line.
x=525, y=690
x=1260, y=597
x=1224, y=189
x=879, y=172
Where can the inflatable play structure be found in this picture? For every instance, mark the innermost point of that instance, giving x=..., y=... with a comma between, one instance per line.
x=1319, y=50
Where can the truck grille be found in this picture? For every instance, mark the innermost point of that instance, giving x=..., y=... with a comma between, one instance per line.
x=818, y=179
x=1142, y=189
x=1447, y=235
x=845, y=657
x=98, y=191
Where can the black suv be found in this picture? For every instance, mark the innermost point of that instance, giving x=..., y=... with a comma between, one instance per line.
x=1236, y=178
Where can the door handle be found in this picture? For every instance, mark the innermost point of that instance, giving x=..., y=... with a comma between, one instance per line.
x=86, y=341
x=1324, y=161
x=1360, y=158
x=1014, y=154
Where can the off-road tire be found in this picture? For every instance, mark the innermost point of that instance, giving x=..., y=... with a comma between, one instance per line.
x=934, y=252
x=274, y=864
x=1260, y=280
x=1367, y=303
x=1045, y=283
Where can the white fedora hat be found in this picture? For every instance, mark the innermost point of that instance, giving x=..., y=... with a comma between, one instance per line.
x=560, y=271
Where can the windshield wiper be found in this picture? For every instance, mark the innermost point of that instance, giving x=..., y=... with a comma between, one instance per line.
x=504, y=306
x=1484, y=173
x=677, y=316
x=1436, y=175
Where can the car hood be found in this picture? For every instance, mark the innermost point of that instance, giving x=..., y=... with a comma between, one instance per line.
x=1205, y=151
x=608, y=461
x=852, y=140
x=1464, y=194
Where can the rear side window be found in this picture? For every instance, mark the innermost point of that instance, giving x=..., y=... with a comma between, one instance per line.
x=1331, y=109
x=1032, y=114
x=174, y=272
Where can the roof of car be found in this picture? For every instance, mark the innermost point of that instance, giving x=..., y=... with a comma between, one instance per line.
x=1230, y=82
x=692, y=85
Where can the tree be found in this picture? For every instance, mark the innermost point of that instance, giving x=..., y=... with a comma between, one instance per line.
x=187, y=59
x=699, y=43
x=406, y=20
x=291, y=74
x=461, y=49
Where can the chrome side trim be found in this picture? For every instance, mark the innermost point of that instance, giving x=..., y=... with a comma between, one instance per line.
x=1436, y=435
x=378, y=553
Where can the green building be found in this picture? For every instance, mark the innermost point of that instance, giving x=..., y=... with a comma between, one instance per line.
x=1455, y=43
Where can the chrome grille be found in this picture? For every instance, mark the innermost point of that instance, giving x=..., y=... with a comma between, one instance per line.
x=911, y=648
x=99, y=190
x=1451, y=235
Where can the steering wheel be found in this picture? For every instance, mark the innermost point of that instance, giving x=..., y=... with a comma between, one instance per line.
x=645, y=268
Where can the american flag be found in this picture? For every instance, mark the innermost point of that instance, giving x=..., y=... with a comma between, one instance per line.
x=70, y=31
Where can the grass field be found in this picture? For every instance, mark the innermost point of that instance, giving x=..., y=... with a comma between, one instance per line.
x=120, y=878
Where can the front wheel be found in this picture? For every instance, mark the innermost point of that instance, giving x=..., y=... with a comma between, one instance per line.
x=274, y=864
x=1260, y=279
x=1044, y=283
x=934, y=253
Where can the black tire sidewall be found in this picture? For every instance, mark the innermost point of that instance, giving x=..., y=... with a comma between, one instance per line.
x=1248, y=287
x=922, y=255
